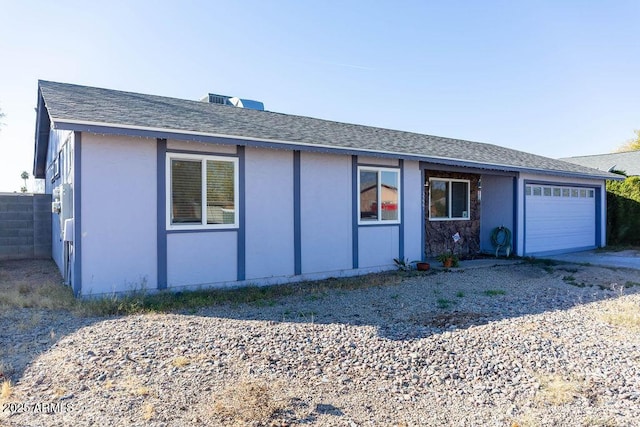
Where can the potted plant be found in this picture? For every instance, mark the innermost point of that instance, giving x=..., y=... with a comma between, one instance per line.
x=422, y=266
x=448, y=259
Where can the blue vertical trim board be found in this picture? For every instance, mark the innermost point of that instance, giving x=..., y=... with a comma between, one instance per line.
x=354, y=211
x=242, y=258
x=401, y=228
x=161, y=238
x=297, y=224
x=514, y=235
x=423, y=219
x=598, y=196
x=77, y=214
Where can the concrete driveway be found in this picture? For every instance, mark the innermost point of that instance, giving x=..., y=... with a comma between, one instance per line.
x=627, y=259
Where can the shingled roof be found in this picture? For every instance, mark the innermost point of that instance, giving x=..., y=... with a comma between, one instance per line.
x=91, y=109
x=628, y=161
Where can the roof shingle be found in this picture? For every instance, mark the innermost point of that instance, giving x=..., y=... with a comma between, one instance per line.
x=628, y=161
x=73, y=104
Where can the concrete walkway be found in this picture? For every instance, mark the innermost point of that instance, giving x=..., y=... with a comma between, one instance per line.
x=625, y=259
x=620, y=259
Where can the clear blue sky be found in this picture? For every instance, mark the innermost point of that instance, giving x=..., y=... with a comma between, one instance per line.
x=556, y=78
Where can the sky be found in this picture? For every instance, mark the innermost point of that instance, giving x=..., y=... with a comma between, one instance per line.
x=556, y=78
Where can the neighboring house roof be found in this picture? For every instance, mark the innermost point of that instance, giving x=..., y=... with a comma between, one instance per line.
x=628, y=161
x=90, y=109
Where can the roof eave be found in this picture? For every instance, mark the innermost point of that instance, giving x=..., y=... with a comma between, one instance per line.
x=43, y=127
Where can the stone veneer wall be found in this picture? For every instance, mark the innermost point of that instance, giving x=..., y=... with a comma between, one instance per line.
x=438, y=234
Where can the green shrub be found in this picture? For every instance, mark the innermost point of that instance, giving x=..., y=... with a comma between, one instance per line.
x=623, y=211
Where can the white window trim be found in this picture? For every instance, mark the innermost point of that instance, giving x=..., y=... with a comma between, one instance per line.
x=202, y=159
x=379, y=171
x=468, y=218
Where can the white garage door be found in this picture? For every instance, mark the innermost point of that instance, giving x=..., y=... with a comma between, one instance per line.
x=559, y=219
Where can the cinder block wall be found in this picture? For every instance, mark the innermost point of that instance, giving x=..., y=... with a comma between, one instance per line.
x=25, y=226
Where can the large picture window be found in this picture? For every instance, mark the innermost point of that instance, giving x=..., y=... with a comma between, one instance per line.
x=448, y=199
x=379, y=195
x=202, y=191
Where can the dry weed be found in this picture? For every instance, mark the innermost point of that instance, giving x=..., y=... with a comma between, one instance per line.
x=147, y=411
x=142, y=391
x=33, y=284
x=29, y=322
x=133, y=386
x=622, y=313
x=181, y=361
x=557, y=390
x=526, y=420
x=249, y=401
x=6, y=390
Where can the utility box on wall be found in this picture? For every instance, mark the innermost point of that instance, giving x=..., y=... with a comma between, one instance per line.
x=62, y=203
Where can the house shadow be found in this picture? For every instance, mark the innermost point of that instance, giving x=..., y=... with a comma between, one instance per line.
x=422, y=305
x=414, y=307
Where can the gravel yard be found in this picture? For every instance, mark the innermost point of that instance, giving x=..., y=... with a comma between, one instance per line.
x=510, y=345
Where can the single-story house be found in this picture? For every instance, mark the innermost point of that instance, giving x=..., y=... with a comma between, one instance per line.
x=626, y=161
x=162, y=193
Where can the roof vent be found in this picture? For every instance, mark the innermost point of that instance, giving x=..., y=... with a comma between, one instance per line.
x=233, y=101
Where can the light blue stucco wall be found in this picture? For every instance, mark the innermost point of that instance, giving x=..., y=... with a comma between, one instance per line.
x=326, y=215
x=201, y=258
x=118, y=210
x=413, y=202
x=378, y=245
x=496, y=207
x=269, y=213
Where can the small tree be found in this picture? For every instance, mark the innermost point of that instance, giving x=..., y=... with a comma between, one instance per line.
x=632, y=144
x=25, y=176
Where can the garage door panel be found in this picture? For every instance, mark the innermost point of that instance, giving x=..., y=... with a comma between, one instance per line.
x=559, y=223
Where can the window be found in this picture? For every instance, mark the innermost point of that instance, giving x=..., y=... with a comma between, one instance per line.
x=379, y=195
x=448, y=199
x=202, y=192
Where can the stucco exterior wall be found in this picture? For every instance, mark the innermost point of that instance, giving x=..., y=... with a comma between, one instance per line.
x=497, y=208
x=193, y=146
x=326, y=215
x=201, y=258
x=269, y=213
x=412, y=211
x=118, y=214
x=378, y=245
